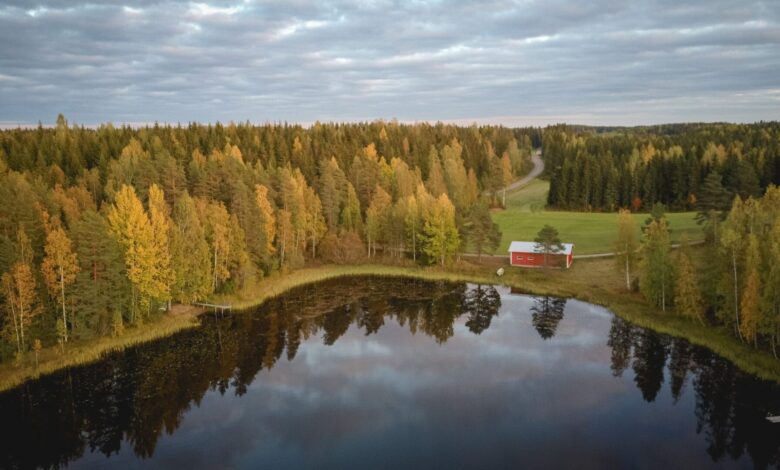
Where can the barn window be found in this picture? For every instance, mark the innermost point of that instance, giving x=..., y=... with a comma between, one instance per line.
x=530, y=258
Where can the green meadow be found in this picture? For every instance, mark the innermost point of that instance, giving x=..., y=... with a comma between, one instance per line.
x=591, y=232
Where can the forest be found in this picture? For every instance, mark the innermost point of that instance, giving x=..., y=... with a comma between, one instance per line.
x=99, y=227
x=102, y=227
x=638, y=167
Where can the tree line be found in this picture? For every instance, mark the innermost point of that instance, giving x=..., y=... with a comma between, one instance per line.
x=101, y=227
x=638, y=167
x=731, y=281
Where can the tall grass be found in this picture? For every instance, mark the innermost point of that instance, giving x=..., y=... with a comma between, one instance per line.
x=83, y=352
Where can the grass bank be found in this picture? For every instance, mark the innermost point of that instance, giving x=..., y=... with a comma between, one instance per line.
x=595, y=281
x=81, y=352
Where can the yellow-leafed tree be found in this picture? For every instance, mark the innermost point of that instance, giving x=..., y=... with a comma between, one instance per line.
x=687, y=296
x=161, y=224
x=131, y=227
x=21, y=300
x=267, y=213
x=60, y=265
x=750, y=304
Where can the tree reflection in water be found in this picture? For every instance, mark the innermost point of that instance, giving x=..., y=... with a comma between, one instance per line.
x=546, y=314
x=731, y=405
x=141, y=394
x=480, y=304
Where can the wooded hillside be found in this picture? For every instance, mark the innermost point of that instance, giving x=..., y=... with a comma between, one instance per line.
x=99, y=227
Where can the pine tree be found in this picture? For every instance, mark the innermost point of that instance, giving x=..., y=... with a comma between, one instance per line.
x=59, y=266
x=548, y=242
x=101, y=289
x=332, y=191
x=712, y=197
x=626, y=245
x=483, y=234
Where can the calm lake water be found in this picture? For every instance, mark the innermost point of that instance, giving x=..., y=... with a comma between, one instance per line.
x=377, y=373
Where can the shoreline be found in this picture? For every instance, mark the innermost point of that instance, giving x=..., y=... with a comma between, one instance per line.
x=577, y=283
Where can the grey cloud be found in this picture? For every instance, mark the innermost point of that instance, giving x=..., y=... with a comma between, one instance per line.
x=605, y=61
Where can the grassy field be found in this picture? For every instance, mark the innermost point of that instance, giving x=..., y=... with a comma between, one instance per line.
x=591, y=232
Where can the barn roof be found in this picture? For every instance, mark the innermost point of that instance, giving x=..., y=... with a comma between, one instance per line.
x=530, y=247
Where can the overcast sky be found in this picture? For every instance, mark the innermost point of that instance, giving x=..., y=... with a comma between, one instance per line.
x=527, y=62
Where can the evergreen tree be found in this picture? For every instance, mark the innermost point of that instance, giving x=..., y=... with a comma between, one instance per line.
x=101, y=291
x=548, y=242
x=332, y=191
x=712, y=197
x=482, y=233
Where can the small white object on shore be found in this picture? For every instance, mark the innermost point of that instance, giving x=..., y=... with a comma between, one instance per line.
x=500, y=272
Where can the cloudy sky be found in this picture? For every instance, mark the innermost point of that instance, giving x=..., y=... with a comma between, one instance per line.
x=517, y=63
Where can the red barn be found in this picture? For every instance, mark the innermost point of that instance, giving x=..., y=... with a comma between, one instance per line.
x=526, y=254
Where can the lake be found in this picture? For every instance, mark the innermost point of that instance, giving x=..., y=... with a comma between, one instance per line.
x=398, y=373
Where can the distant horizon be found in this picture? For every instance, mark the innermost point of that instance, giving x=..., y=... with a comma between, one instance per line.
x=307, y=124
x=530, y=63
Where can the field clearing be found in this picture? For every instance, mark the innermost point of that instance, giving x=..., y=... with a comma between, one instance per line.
x=591, y=232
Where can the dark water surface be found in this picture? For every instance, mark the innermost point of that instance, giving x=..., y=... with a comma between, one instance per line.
x=374, y=373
